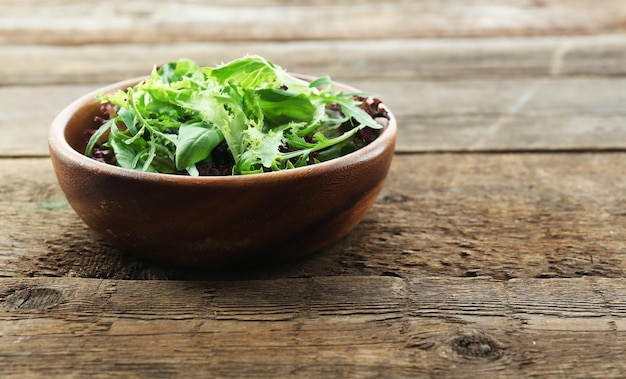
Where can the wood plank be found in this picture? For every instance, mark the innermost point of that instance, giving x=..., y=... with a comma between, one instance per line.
x=509, y=114
x=441, y=59
x=499, y=215
x=313, y=327
x=27, y=115
x=140, y=21
x=460, y=115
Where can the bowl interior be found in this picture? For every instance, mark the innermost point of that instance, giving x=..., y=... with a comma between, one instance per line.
x=82, y=120
x=69, y=132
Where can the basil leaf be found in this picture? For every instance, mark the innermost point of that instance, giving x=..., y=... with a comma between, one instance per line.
x=195, y=142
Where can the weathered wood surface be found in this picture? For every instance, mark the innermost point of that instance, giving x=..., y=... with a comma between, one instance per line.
x=143, y=21
x=498, y=215
x=461, y=115
x=440, y=59
x=496, y=249
x=313, y=327
x=462, y=95
x=486, y=83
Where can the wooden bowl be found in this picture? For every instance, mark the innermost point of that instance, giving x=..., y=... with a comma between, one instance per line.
x=215, y=221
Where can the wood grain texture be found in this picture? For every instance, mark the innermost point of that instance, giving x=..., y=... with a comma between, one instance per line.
x=440, y=59
x=117, y=21
x=28, y=113
x=496, y=249
x=313, y=327
x=499, y=215
x=460, y=115
x=449, y=95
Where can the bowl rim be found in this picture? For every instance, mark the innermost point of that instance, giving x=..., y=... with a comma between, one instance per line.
x=57, y=143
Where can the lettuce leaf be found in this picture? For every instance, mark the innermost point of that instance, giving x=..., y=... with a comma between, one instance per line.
x=268, y=119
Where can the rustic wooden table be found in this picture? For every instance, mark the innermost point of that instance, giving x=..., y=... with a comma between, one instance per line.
x=496, y=249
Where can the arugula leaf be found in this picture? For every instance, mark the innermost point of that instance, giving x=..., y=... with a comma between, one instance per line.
x=267, y=119
x=128, y=118
x=95, y=138
x=323, y=80
x=124, y=154
x=350, y=108
x=280, y=107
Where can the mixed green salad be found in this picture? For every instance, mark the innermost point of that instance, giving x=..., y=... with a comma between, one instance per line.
x=246, y=116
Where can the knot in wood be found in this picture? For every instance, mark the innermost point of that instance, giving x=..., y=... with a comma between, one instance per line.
x=35, y=298
x=476, y=347
x=395, y=198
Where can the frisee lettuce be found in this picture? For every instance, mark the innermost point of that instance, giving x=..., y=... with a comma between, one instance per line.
x=268, y=119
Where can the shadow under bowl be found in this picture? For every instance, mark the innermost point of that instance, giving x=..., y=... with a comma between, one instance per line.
x=215, y=221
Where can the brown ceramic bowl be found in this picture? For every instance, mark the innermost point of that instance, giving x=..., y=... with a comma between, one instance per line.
x=215, y=221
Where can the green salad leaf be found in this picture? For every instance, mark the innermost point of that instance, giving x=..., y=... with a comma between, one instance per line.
x=248, y=115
